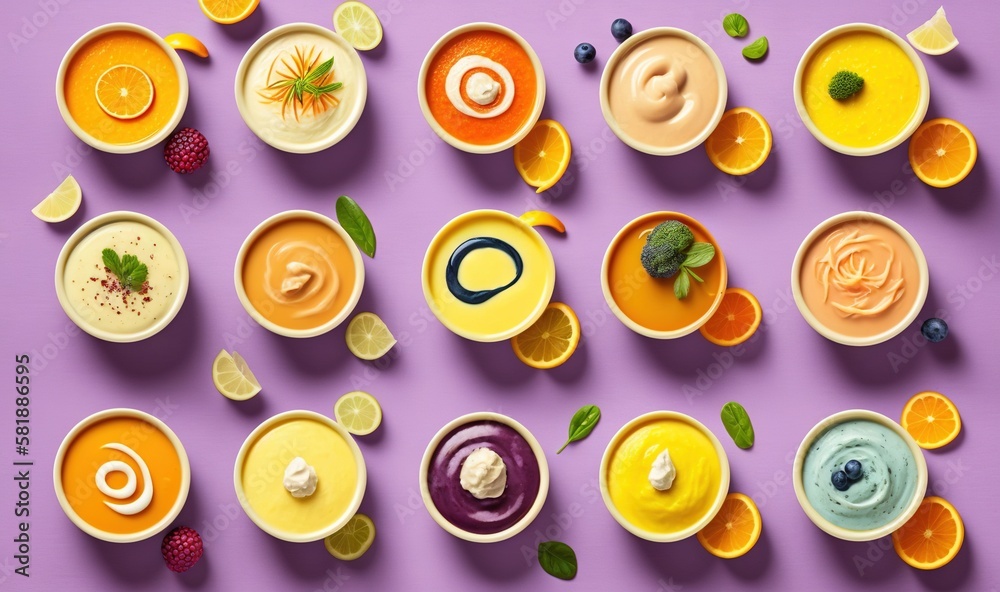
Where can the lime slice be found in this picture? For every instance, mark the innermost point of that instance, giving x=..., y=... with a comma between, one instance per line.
x=233, y=378
x=368, y=338
x=358, y=24
x=358, y=412
x=61, y=204
x=353, y=540
x=934, y=37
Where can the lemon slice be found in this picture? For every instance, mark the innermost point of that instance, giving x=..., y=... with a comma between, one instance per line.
x=233, y=378
x=358, y=412
x=934, y=37
x=61, y=204
x=188, y=43
x=353, y=540
x=358, y=24
x=367, y=337
x=124, y=91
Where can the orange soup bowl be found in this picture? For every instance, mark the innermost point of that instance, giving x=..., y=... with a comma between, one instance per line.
x=481, y=88
x=847, y=317
x=647, y=305
x=299, y=274
x=96, y=54
x=121, y=475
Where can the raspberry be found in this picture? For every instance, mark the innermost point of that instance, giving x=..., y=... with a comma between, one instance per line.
x=186, y=151
x=182, y=548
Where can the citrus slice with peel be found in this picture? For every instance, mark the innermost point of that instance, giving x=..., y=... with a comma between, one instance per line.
x=61, y=204
x=358, y=25
x=228, y=12
x=736, y=319
x=932, y=419
x=540, y=218
x=233, y=378
x=368, y=337
x=543, y=156
x=934, y=37
x=734, y=530
x=188, y=43
x=358, y=412
x=351, y=541
x=942, y=152
x=740, y=143
x=551, y=340
x=933, y=537
x=124, y=91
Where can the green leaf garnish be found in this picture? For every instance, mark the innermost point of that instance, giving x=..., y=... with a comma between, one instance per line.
x=699, y=254
x=735, y=25
x=582, y=424
x=354, y=221
x=682, y=284
x=737, y=423
x=130, y=273
x=557, y=559
x=756, y=50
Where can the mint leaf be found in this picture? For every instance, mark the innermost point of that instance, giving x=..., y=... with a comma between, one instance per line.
x=735, y=25
x=737, y=423
x=111, y=261
x=354, y=221
x=557, y=559
x=130, y=273
x=699, y=254
x=682, y=284
x=756, y=50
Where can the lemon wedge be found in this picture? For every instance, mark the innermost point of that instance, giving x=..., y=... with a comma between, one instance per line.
x=61, y=204
x=233, y=378
x=934, y=37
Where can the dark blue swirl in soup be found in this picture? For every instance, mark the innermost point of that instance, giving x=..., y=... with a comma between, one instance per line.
x=455, y=262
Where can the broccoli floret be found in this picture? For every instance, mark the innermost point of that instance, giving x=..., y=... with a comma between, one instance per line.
x=661, y=261
x=673, y=233
x=845, y=84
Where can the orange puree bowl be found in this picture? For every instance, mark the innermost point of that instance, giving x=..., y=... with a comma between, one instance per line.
x=133, y=440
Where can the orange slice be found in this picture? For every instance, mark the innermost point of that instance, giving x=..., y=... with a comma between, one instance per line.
x=540, y=218
x=942, y=152
x=933, y=537
x=551, y=340
x=124, y=92
x=228, y=12
x=740, y=143
x=932, y=419
x=188, y=43
x=543, y=155
x=735, y=321
x=734, y=530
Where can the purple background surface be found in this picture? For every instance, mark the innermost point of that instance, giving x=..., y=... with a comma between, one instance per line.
x=411, y=184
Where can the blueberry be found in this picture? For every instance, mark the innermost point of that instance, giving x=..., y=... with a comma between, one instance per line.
x=934, y=329
x=621, y=29
x=585, y=53
x=840, y=481
x=853, y=470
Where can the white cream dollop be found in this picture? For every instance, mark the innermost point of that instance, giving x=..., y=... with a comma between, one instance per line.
x=483, y=474
x=300, y=478
x=663, y=472
x=479, y=87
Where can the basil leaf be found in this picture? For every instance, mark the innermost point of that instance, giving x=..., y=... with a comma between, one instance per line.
x=735, y=25
x=756, y=50
x=699, y=254
x=737, y=423
x=356, y=223
x=582, y=424
x=557, y=559
x=682, y=284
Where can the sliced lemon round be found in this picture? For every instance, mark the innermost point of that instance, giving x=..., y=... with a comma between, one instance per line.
x=358, y=24
x=934, y=37
x=233, y=378
x=367, y=336
x=358, y=412
x=61, y=204
x=353, y=540
x=188, y=43
x=124, y=91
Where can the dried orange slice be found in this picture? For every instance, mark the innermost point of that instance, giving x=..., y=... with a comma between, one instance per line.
x=228, y=12
x=551, y=340
x=942, y=152
x=933, y=537
x=124, y=92
x=932, y=419
x=740, y=143
x=735, y=321
x=734, y=530
x=543, y=155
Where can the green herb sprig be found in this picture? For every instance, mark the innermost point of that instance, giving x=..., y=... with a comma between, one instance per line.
x=357, y=225
x=582, y=424
x=698, y=255
x=557, y=559
x=130, y=273
x=737, y=423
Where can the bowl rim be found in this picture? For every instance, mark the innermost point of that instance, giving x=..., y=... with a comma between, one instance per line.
x=546, y=297
x=352, y=302
x=338, y=133
x=168, y=518
x=835, y=336
x=720, y=497
x=619, y=54
x=915, y=120
x=525, y=128
x=844, y=533
x=543, y=473
x=359, y=491
x=625, y=319
x=154, y=139
x=85, y=230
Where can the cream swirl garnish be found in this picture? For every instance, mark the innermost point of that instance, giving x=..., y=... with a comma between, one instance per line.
x=483, y=474
x=487, y=84
x=306, y=271
x=663, y=472
x=300, y=478
x=659, y=87
x=862, y=270
x=125, y=491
